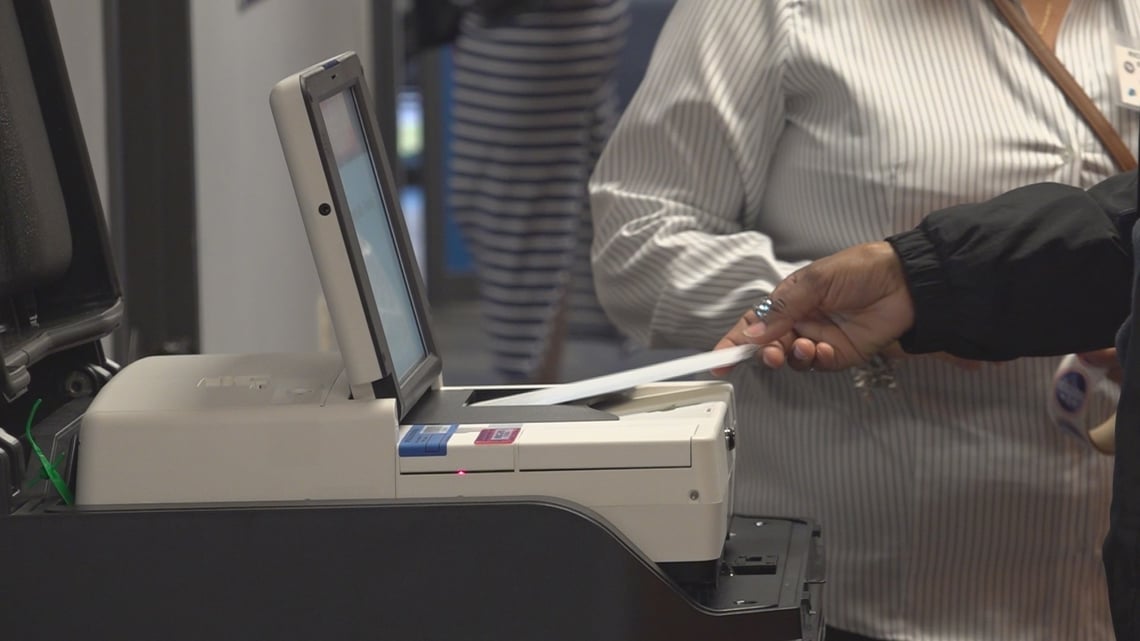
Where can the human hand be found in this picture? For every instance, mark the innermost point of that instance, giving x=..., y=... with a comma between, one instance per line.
x=835, y=313
x=1103, y=436
x=1105, y=359
x=798, y=353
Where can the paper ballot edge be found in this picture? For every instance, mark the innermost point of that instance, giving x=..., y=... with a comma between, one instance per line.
x=627, y=379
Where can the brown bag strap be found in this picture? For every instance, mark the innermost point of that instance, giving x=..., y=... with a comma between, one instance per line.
x=1104, y=130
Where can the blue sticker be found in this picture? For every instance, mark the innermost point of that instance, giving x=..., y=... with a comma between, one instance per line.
x=1070, y=391
x=426, y=440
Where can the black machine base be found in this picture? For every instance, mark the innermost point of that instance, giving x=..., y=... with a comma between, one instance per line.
x=494, y=570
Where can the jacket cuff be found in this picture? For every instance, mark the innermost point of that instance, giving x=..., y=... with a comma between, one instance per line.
x=929, y=292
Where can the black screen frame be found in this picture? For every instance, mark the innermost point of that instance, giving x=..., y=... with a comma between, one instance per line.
x=345, y=75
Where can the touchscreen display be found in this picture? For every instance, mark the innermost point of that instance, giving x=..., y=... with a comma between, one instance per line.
x=385, y=274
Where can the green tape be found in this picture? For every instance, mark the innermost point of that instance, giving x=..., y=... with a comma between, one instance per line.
x=49, y=467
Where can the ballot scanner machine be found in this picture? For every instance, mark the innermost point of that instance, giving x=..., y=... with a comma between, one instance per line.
x=302, y=496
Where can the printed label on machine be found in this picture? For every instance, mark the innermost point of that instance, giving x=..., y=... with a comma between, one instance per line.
x=500, y=435
x=426, y=440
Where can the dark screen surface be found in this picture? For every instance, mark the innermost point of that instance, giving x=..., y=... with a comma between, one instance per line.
x=374, y=234
x=373, y=230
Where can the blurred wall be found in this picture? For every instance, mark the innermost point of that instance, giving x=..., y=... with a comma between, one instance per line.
x=258, y=286
x=80, y=26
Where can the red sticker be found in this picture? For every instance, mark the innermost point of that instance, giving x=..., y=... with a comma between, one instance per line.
x=497, y=436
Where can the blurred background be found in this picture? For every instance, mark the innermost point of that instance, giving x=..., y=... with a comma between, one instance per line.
x=173, y=98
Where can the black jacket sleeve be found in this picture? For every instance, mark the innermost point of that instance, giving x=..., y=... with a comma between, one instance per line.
x=1045, y=269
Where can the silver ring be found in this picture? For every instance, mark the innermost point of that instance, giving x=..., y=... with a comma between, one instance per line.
x=763, y=308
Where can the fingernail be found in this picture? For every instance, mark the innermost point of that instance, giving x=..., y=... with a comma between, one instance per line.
x=798, y=352
x=756, y=329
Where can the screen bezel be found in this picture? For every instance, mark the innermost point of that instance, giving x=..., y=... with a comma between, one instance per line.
x=345, y=75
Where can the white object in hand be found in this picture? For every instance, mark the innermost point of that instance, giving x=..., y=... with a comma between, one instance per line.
x=1072, y=389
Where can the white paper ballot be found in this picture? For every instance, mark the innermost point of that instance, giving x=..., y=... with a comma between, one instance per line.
x=610, y=383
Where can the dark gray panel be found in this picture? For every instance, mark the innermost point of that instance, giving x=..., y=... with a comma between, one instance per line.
x=35, y=240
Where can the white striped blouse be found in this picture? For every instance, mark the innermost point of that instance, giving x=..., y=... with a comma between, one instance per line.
x=771, y=132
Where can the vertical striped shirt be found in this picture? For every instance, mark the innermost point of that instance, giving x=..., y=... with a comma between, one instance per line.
x=535, y=98
x=771, y=132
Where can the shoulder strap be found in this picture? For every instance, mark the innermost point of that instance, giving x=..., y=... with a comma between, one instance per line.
x=1104, y=130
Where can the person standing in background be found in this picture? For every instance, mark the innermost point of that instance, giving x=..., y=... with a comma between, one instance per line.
x=534, y=100
x=768, y=134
